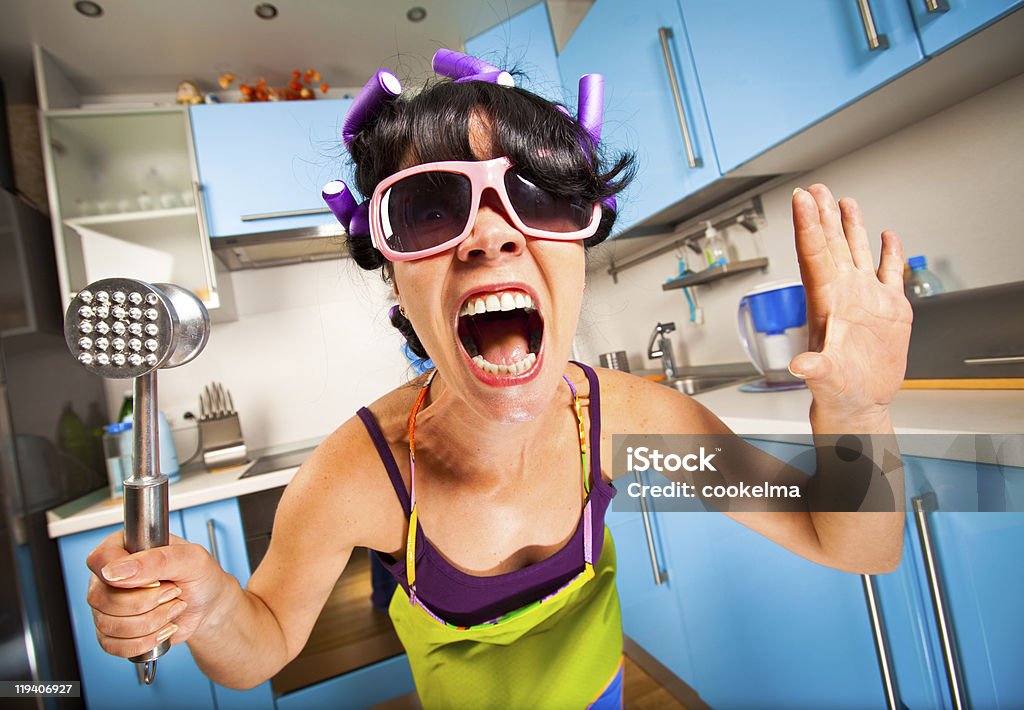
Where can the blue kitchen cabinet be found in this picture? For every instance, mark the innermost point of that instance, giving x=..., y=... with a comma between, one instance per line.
x=768, y=70
x=217, y=527
x=943, y=23
x=523, y=43
x=766, y=627
x=977, y=556
x=110, y=682
x=621, y=41
x=650, y=609
x=259, y=161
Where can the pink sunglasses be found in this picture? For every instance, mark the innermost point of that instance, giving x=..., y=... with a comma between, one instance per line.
x=426, y=209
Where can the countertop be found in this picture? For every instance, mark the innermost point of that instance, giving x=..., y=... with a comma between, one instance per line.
x=196, y=487
x=965, y=425
x=932, y=423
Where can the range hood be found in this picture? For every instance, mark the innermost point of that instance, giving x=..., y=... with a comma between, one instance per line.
x=280, y=248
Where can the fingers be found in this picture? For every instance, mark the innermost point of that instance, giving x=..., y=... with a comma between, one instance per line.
x=126, y=602
x=856, y=234
x=180, y=562
x=832, y=226
x=817, y=266
x=139, y=626
x=890, y=264
x=130, y=647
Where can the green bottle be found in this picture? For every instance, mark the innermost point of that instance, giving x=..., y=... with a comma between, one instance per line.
x=127, y=405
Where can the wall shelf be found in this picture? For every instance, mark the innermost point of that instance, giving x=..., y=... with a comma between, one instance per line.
x=98, y=221
x=715, y=273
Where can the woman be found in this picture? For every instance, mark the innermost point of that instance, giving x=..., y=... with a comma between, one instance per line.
x=483, y=484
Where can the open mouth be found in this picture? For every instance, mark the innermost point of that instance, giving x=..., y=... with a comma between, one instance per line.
x=501, y=332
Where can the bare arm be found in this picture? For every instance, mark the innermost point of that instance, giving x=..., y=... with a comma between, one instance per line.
x=241, y=637
x=859, y=330
x=861, y=542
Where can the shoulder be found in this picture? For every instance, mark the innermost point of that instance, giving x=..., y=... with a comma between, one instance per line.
x=344, y=486
x=635, y=405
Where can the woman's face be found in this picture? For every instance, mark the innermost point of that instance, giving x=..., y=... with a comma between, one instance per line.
x=507, y=363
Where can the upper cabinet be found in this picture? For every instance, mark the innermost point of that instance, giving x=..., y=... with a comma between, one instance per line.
x=523, y=43
x=653, y=100
x=720, y=98
x=122, y=199
x=122, y=188
x=942, y=23
x=770, y=70
x=262, y=166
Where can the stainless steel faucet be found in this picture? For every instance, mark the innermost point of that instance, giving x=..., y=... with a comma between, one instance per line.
x=661, y=346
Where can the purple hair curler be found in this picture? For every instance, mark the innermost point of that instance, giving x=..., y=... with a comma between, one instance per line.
x=359, y=224
x=381, y=88
x=456, y=65
x=340, y=201
x=590, y=111
x=502, y=78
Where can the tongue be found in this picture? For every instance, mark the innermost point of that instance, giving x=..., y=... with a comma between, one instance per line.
x=501, y=341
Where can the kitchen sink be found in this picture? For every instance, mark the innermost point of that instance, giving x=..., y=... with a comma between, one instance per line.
x=696, y=384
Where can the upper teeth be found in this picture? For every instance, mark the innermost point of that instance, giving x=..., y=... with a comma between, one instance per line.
x=501, y=301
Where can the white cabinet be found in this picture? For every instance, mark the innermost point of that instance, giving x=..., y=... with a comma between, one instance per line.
x=122, y=192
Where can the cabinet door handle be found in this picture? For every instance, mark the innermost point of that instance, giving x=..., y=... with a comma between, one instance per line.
x=892, y=693
x=659, y=576
x=875, y=40
x=1004, y=360
x=279, y=215
x=933, y=6
x=211, y=531
x=664, y=34
x=922, y=506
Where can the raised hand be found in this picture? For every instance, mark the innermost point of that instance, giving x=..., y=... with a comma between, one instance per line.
x=858, y=319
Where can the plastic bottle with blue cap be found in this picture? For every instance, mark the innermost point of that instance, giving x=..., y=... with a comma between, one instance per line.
x=922, y=282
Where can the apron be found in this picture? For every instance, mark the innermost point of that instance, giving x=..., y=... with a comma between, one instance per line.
x=561, y=652
x=555, y=654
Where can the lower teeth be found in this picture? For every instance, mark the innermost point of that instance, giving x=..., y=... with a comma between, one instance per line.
x=515, y=368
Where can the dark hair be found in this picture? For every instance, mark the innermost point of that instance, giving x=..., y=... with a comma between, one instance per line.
x=434, y=126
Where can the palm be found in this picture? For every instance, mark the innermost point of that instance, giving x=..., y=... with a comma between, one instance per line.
x=858, y=319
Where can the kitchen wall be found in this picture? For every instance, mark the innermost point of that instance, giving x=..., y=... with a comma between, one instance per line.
x=949, y=185
x=312, y=344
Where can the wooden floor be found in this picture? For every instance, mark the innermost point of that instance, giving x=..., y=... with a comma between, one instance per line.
x=349, y=634
x=642, y=692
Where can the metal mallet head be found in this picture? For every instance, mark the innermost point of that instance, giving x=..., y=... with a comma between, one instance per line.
x=124, y=328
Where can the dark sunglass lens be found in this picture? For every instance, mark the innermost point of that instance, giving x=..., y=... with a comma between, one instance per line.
x=543, y=210
x=425, y=210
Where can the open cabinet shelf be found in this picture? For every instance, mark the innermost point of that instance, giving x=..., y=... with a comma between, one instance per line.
x=715, y=273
